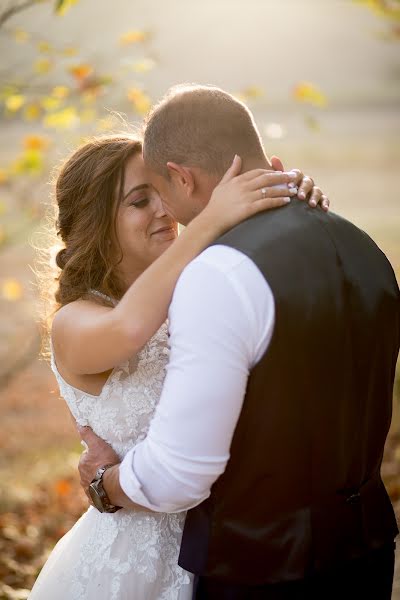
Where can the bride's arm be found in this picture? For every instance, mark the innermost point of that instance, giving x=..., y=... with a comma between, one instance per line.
x=90, y=338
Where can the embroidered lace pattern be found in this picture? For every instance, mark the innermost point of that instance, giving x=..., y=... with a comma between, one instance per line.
x=126, y=542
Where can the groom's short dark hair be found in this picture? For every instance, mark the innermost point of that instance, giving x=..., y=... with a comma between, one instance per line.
x=200, y=126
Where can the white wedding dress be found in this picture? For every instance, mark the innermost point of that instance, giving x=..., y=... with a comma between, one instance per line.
x=127, y=555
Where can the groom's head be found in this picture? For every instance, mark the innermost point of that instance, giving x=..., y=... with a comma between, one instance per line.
x=190, y=139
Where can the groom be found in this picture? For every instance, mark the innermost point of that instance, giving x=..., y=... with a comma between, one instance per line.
x=277, y=401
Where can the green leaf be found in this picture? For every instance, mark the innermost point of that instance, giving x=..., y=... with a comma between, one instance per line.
x=61, y=6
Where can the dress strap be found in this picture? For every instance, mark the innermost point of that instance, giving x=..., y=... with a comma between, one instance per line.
x=103, y=296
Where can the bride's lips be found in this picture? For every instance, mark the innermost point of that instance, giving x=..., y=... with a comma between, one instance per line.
x=165, y=232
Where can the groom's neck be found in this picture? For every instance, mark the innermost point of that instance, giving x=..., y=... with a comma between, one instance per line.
x=248, y=164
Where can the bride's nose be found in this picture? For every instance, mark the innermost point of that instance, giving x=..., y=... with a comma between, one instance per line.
x=159, y=210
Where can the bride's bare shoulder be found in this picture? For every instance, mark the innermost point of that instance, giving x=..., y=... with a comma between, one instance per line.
x=76, y=314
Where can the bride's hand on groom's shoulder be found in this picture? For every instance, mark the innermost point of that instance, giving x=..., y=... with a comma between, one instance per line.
x=307, y=190
x=97, y=454
x=239, y=196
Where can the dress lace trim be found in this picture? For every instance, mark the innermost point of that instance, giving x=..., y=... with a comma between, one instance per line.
x=126, y=546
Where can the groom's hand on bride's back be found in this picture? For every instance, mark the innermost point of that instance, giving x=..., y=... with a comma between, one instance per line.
x=97, y=454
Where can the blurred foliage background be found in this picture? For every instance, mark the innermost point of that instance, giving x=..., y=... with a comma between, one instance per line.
x=322, y=79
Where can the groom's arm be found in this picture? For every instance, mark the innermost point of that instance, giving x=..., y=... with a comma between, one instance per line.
x=221, y=321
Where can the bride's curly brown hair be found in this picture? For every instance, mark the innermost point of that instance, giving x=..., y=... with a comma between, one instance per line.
x=88, y=192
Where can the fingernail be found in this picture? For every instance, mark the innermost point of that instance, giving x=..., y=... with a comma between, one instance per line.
x=313, y=203
x=302, y=195
x=291, y=185
x=287, y=200
x=293, y=191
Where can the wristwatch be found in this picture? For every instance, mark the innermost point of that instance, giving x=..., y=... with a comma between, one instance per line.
x=98, y=494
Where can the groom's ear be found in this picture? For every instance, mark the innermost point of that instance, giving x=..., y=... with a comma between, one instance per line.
x=182, y=177
x=276, y=163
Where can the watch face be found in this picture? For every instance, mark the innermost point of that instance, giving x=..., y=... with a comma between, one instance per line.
x=93, y=493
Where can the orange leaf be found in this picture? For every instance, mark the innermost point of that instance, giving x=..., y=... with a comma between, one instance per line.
x=62, y=487
x=81, y=71
x=3, y=177
x=35, y=142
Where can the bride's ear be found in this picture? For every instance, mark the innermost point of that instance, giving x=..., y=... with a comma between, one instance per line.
x=182, y=177
x=276, y=163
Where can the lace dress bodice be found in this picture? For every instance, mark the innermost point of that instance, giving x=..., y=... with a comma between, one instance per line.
x=127, y=554
x=121, y=413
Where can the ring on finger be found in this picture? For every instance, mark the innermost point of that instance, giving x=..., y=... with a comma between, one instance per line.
x=264, y=192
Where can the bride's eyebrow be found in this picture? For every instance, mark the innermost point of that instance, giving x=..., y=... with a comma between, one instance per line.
x=142, y=186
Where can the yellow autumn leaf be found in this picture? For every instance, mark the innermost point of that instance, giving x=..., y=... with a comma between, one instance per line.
x=60, y=91
x=8, y=90
x=80, y=71
x=140, y=100
x=14, y=102
x=4, y=177
x=88, y=115
x=44, y=47
x=383, y=8
x=309, y=93
x=253, y=92
x=50, y=103
x=32, y=112
x=62, y=6
x=70, y=51
x=62, y=119
x=35, y=142
x=21, y=36
x=144, y=66
x=11, y=289
x=29, y=163
x=133, y=37
x=42, y=65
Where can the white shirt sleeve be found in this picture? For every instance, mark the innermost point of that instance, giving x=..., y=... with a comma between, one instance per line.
x=221, y=321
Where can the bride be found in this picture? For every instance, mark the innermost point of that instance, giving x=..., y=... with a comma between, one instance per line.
x=109, y=340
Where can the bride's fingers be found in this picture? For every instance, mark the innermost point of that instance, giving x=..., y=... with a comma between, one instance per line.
x=305, y=187
x=316, y=197
x=275, y=191
x=263, y=179
x=325, y=203
x=268, y=203
x=299, y=175
x=233, y=170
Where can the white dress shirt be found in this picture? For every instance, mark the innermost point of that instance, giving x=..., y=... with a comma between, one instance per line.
x=221, y=321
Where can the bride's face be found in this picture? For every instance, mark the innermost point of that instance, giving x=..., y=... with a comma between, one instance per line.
x=144, y=230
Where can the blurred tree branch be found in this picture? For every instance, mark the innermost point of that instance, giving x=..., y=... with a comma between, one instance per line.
x=11, y=10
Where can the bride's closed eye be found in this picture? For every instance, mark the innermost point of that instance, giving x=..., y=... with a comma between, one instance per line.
x=142, y=203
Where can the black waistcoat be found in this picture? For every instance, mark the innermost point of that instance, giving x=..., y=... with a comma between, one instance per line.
x=302, y=489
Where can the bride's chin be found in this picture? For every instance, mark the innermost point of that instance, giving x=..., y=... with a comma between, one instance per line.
x=163, y=245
